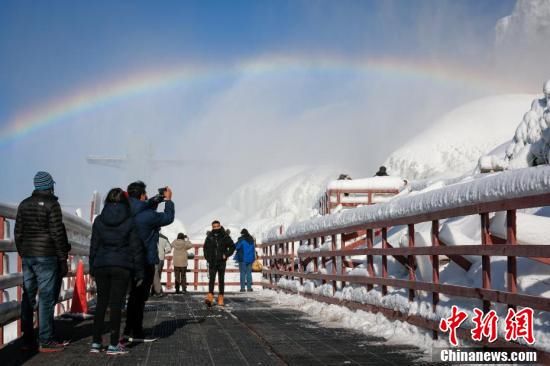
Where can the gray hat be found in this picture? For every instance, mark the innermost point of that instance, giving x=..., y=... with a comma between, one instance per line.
x=43, y=181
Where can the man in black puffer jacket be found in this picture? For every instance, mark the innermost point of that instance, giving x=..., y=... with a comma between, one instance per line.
x=41, y=242
x=218, y=246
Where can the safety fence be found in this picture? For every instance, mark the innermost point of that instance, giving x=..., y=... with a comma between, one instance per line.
x=199, y=266
x=283, y=260
x=11, y=276
x=348, y=198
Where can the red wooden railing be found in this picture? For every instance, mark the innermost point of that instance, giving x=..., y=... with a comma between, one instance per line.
x=199, y=266
x=281, y=260
x=350, y=198
x=78, y=231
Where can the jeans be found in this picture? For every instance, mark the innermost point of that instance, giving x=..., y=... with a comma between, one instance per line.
x=246, y=275
x=218, y=268
x=136, y=303
x=112, y=283
x=157, y=285
x=39, y=274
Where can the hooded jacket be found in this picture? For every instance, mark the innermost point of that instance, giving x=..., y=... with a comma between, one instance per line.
x=217, y=245
x=39, y=229
x=115, y=241
x=148, y=223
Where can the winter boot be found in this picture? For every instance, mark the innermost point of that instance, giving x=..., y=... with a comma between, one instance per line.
x=209, y=299
x=220, y=300
x=177, y=288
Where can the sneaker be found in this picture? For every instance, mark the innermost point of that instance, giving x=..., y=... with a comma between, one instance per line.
x=116, y=350
x=243, y=290
x=96, y=348
x=51, y=346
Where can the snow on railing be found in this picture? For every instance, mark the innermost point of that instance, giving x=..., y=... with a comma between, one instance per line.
x=490, y=188
x=322, y=256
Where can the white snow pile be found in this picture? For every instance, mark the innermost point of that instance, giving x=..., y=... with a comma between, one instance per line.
x=395, y=332
x=453, y=145
x=277, y=198
x=530, y=145
x=490, y=187
x=373, y=183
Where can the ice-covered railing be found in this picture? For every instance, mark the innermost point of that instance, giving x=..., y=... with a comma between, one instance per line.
x=491, y=188
x=354, y=192
x=310, y=256
x=11, y=278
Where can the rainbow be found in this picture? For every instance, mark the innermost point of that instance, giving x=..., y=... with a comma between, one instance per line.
x=88, y=99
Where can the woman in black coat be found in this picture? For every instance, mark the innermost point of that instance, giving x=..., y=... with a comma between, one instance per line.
x=116, y=255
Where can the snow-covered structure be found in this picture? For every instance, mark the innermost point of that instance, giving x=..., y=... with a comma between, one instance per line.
x=530, y=145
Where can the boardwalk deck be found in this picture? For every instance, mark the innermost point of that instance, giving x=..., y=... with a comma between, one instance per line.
x=247, y=332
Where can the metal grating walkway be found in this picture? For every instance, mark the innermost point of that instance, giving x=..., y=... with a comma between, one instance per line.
x=247, y=332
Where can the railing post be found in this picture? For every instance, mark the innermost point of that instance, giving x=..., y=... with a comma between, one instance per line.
x=512, y=262
x=384, y=259
x=196, y=268
x=435, y=269
x=485, y=259
x=168, y=274
x=323, y=261
x=315, y=259
x=333, y=247
x=342, y=260
x=301, y=269
x=411, y=261
x=370, y=262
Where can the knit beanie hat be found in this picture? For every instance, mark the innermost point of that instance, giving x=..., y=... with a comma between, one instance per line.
x=43, y=181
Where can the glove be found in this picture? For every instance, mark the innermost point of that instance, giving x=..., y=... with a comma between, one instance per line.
x=63, y=268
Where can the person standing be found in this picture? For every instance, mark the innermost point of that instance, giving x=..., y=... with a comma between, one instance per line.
x=246, y=255
x=181, y=246
x=148, y=223
x=41, y=242
x=116, y=255
x=218, y=246
x=164, y=248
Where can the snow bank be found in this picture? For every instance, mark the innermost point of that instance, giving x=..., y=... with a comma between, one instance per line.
x=453, y=145
x=508, y=184
x=373, y=183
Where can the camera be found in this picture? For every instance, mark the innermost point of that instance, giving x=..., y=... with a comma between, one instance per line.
x=159, y=197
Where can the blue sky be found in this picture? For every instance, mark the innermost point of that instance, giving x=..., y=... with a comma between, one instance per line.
x=49, y=49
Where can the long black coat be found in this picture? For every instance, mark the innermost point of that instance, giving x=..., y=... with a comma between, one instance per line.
x=115, y=241
x=39, y=229
x=217, y=245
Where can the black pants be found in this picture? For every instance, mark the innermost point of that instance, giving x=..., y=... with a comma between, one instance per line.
x=112, y=283
x=218, y=268
x=136, y=303
x=181, y=277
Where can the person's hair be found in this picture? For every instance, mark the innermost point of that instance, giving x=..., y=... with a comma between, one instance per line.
x=245, y=232
x=382, y=168
x=215, y=222
x=116, y=195
x=181, y=236
x=136, y=189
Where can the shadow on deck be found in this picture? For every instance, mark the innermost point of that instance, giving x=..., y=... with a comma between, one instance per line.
x=247, y=332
